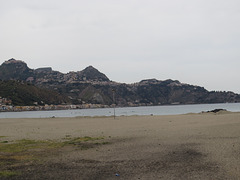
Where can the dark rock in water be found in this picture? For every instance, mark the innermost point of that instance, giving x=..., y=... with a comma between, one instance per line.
x=217, y=110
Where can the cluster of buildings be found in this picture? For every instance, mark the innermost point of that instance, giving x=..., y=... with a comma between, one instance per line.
x=5, y=103
x=8, y=107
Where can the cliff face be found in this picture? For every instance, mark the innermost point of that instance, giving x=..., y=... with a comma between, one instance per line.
x=15, y=68
x=158, y=93
x=92, y=86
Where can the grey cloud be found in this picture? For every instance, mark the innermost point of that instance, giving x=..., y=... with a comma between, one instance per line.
x=187, y=40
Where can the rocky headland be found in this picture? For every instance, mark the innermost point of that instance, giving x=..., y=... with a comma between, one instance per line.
x=89, y=86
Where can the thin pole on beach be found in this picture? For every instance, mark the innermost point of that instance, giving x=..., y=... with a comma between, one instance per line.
x=113, y=91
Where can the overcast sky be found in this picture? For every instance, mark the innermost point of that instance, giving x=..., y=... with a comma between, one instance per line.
x=193, y=41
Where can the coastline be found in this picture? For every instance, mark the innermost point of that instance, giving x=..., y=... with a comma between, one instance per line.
x=12, y=108
x=123, y=111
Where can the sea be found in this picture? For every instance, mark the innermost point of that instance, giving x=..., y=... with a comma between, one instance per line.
x=124, y=111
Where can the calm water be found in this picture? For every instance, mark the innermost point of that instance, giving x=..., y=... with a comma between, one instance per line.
x=126, y=111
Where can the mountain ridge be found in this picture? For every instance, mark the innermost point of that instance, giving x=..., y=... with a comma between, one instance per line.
x=92, y=86
x=18, y=70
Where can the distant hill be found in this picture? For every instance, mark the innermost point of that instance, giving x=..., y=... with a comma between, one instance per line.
x=91, y=86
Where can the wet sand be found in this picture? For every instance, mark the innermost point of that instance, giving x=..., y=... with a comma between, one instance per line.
x=191, y=146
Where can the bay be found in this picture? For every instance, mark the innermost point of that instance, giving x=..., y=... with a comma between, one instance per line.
x=125, y=111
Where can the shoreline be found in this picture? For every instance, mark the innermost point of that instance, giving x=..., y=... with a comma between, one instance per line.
x=12, y=108
x=123, y=111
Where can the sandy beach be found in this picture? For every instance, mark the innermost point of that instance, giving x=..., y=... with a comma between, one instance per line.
x=191, y=146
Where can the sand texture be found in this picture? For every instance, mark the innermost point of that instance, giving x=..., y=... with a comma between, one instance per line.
x=192, y=146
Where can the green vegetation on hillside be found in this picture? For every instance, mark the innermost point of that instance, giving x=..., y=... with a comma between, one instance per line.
x=22, y=93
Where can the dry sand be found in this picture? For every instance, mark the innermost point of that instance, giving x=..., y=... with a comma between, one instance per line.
x=192, y=146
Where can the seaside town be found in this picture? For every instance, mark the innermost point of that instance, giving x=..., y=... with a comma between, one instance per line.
x=6, y=106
